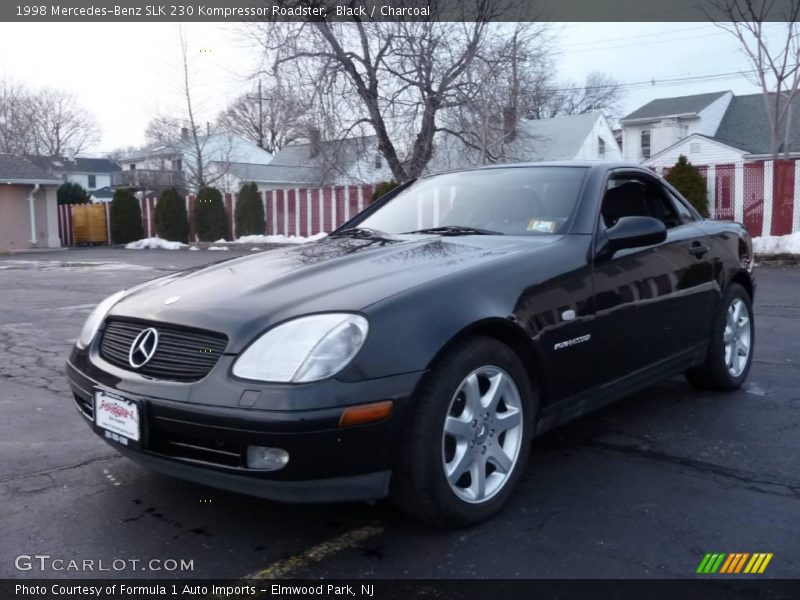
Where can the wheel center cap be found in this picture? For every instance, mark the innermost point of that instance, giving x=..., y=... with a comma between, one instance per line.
x=482, y=433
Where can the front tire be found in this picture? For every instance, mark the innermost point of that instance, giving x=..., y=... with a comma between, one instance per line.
x=730, y=351
x=469, y=436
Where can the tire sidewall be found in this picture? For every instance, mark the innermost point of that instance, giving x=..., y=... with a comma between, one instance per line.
x=441, y=385
x=717, y=365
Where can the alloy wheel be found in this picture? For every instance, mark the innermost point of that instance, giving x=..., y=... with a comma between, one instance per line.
x=482, y=434
x=737, y=337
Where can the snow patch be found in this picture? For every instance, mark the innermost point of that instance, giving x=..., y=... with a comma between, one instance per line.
x=156, y=243
x=193, y=248
x=66, y=265
x=218, y=248
x=777, y=244
x=278, y=239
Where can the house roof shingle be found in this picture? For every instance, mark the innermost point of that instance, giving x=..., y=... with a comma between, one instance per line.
x=681, y=105
x=61, y=164
x=294, y=164
x=559, y=138
x=18, y=169
x=746, y=125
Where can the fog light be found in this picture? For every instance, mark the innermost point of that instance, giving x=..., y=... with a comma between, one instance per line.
x=266, y=459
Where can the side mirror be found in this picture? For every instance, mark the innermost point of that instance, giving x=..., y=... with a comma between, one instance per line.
x=636, y=232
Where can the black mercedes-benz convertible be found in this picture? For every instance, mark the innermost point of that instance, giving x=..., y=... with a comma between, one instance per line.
x=417, y=350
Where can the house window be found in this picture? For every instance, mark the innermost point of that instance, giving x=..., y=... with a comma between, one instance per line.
x=92, y=182
x=645, y=143
x=177, y=165
x=133, y=167
x=377, y=161
x=601, y=147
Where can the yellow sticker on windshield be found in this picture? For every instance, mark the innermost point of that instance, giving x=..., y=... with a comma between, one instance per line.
x=541, y=226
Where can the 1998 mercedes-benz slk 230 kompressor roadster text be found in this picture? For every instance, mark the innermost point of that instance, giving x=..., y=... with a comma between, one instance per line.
x=417, y=350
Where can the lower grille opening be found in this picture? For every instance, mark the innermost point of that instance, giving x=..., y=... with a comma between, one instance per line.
x=185, y=447
x=85, y=406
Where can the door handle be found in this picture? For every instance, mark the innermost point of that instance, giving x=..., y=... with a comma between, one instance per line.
x=697, y=249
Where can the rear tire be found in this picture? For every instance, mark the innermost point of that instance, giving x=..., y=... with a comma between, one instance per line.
x=730, y=350
x=469, y=436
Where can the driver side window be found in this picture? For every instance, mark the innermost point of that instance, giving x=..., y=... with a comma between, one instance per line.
x=637, y=196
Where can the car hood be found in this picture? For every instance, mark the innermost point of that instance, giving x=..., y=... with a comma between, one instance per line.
x=243, y=296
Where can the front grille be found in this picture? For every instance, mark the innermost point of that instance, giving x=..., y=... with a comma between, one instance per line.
x=182, y=354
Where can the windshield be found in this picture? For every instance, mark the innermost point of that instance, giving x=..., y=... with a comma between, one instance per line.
x=514, y=201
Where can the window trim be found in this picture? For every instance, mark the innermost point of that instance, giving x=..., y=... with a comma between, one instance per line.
x=647, y=179
x=649, y=143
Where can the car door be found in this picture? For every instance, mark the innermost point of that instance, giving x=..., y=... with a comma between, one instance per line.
x=650, y=302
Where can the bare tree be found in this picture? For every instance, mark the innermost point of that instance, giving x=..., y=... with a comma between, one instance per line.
x=196, y=167
x=61, y=124
x=163, y=129
x=505, y=80
x=598, y=92
x=776, y=66
x=207, y=153
x=395, y=78
x=270, y=116
x=119, y=153
x=43, y=121
x=16, y=119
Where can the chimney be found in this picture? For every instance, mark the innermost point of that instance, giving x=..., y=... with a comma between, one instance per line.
x=314, y=138
x=71, y=155
x=184, y=133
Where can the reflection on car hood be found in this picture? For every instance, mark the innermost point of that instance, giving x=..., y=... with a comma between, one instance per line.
x=335, y=273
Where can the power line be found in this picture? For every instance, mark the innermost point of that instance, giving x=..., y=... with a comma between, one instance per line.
x=638, y=36
x=597, y=45
x=674, y=81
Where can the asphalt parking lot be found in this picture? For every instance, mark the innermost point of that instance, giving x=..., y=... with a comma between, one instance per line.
x=640, y=489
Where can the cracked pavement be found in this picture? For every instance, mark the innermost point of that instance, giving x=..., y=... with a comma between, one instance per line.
x=640, y=489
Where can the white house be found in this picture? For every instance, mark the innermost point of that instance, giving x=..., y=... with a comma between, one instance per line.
x=575, y=137
x=176, y=164
x=317, y=163
x=662, y=122
x=90, y=173
x=742, y=134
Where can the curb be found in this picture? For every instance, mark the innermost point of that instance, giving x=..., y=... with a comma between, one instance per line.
x=777, y=259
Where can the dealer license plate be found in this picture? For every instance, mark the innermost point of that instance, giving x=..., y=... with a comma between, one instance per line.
x=117, y=419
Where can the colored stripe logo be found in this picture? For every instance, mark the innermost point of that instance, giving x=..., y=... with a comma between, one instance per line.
x=734, y=563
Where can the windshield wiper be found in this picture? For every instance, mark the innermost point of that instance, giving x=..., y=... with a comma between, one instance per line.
x=457, y=230
x=359, y=232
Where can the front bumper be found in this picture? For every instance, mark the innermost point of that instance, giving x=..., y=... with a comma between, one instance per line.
x=206, y=442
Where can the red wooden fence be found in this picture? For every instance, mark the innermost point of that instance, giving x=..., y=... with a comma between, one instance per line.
x=763, y=195
x=297, y=211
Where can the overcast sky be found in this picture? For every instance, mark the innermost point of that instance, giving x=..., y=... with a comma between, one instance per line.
x=124, y=73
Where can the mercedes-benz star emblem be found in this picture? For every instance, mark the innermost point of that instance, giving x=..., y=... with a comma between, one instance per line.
x=143, y=348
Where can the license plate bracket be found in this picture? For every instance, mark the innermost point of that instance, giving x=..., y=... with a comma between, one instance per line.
x=118, y=419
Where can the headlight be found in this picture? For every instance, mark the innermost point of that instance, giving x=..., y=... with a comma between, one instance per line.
x=304, y=349
x=96, y=319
